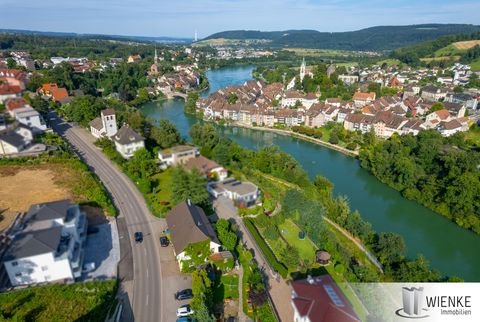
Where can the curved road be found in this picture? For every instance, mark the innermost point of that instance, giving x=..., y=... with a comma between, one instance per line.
x=147, y=296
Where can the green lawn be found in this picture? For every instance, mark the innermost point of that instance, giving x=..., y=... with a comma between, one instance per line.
x=474, y=136
x=475, y=65
x=89, y=301
x=389, y=61
x=305, y=247
x=160, y=199
x=227, y=288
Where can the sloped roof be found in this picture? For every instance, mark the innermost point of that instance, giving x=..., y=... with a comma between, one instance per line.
x=188, y=224
x=48, y=210
x=202, y=164
x=12, y=138
x=127, y=135
x=321, y=300
x=33, y=243
x=96, y=123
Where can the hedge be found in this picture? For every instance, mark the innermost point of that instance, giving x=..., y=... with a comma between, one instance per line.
x=266, y=250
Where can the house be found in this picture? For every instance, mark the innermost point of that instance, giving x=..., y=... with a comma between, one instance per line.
x=243, y=194
x=361, y=99
x=134, y=58
x=319, y=299
x=359, y=122
x=8, y=91
x=105, y=125
x=176, y=155
x=127, y=141
x=451, y=127
x=348, y=79
x=433, y=93
x=51, y=90
x=433, y=119
x=15, y=140
x=411, y=90
x=13, y=77
x=48, y=245
x=14, y=103
x=207, y=167
x=28, y=116
x=455, y=109
x=188, y=225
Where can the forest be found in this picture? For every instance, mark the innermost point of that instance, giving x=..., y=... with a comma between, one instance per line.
x=440, y=173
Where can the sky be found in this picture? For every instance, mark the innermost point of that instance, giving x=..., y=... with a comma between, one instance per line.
x=179, y=18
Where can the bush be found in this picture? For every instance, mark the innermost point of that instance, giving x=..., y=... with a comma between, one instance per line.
x=271, y=232
x=267, y=252
x=352, y=146
x=333, y=139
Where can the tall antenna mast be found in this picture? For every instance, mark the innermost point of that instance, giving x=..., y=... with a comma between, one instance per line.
x=196, y=35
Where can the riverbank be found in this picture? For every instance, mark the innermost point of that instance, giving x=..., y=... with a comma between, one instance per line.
x=299, y=136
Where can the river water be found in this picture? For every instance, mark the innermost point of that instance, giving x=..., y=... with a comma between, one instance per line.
x=449, y=248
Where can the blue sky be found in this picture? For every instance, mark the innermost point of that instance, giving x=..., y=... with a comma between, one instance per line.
x=181, y=18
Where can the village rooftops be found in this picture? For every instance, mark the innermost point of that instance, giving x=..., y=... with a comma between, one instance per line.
x=202, y=164
x=188, y=224
x=177, y=149
x=126, y=135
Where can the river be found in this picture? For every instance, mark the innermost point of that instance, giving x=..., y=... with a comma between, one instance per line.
x=449, y=248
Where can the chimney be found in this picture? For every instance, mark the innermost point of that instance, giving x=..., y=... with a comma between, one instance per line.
x=310, y=279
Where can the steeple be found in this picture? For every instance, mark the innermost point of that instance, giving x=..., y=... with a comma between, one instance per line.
x=302, y=70
x=155, y=58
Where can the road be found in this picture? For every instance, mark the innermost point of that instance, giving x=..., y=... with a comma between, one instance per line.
x=146, y=295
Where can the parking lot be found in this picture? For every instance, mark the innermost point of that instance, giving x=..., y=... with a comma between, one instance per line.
x=103, y=250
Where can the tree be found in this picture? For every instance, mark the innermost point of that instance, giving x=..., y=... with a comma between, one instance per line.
x=202, y=290
x=390, y=248
x=436, y=107
x=166, y=134
x=232, y=98
x=189, y=185
x=290, y=257
x=11, y=63
x=205, y=136
x=226, y=235
x=202, y=313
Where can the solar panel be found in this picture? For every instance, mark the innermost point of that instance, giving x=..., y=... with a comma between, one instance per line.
x=333, y=295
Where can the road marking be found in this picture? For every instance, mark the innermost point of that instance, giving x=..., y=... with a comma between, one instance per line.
x=147, y=272
x=146, y=302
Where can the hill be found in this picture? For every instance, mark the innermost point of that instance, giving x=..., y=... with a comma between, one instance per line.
x=369, y=39
x=463, y=47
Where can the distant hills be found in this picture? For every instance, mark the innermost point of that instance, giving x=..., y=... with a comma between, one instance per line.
x=172, y=40
x=378, y=38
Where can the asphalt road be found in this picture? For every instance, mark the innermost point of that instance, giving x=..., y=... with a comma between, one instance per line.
x=147, y=298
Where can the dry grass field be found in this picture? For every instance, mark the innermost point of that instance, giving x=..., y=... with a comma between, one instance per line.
x=23, y=186
x=464, y=45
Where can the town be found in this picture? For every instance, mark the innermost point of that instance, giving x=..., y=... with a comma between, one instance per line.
x=129, y=190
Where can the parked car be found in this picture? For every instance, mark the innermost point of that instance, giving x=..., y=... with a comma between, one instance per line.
x=184, y=310
x=138, y=237
x=184, y=294
x=185, y=319
x=164, y=242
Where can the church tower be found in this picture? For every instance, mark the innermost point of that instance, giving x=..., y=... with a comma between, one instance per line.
x=302, y=70
x=109, y=122
x=155, y=58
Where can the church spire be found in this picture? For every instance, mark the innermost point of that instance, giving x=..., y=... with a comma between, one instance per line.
x=302, y=70
x=155, y=59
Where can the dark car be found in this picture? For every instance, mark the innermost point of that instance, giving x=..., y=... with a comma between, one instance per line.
x=164, y=242
x=138, y=237
x=184, y=294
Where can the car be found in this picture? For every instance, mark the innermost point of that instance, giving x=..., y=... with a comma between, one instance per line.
x=185, y=319
x=184, y=294
x=184, y=310
x=164, y=242
x=138, y=237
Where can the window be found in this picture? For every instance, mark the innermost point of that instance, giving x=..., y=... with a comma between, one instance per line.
x=15, y=263
x=19, y=274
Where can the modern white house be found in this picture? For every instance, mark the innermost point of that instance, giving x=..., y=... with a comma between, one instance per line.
x=28, y=116
x=47, y=245
x=187, y=225
x=242, y=193
x=176, y=155
x=127, y=141
x=15, y=140
x=105, y=125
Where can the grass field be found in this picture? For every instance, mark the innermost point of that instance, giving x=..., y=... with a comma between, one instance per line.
x=89, y=301
x=465, y=45
x=164, y=193
x=305, y=247
x=475, y=65
x=226, y=288
x=389, y=61
x=307, y=52
x=440, y=58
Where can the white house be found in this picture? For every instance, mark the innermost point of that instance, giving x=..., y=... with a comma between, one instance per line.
x=48, y=245
x=15, y=140
x=176, y=155
x=105, y=125
x=127, y=141
x=28, y=116
x=188, y=225
x=242, y=193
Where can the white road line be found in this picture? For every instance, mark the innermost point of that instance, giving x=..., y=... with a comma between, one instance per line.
x=146, y=301
x=147, y=272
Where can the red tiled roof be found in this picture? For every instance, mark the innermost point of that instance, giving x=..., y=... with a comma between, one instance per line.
x=15, y=103
x=363, y=96
x=321, y=300
x=6, y=89
x=59, y=94
x=443, y=114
